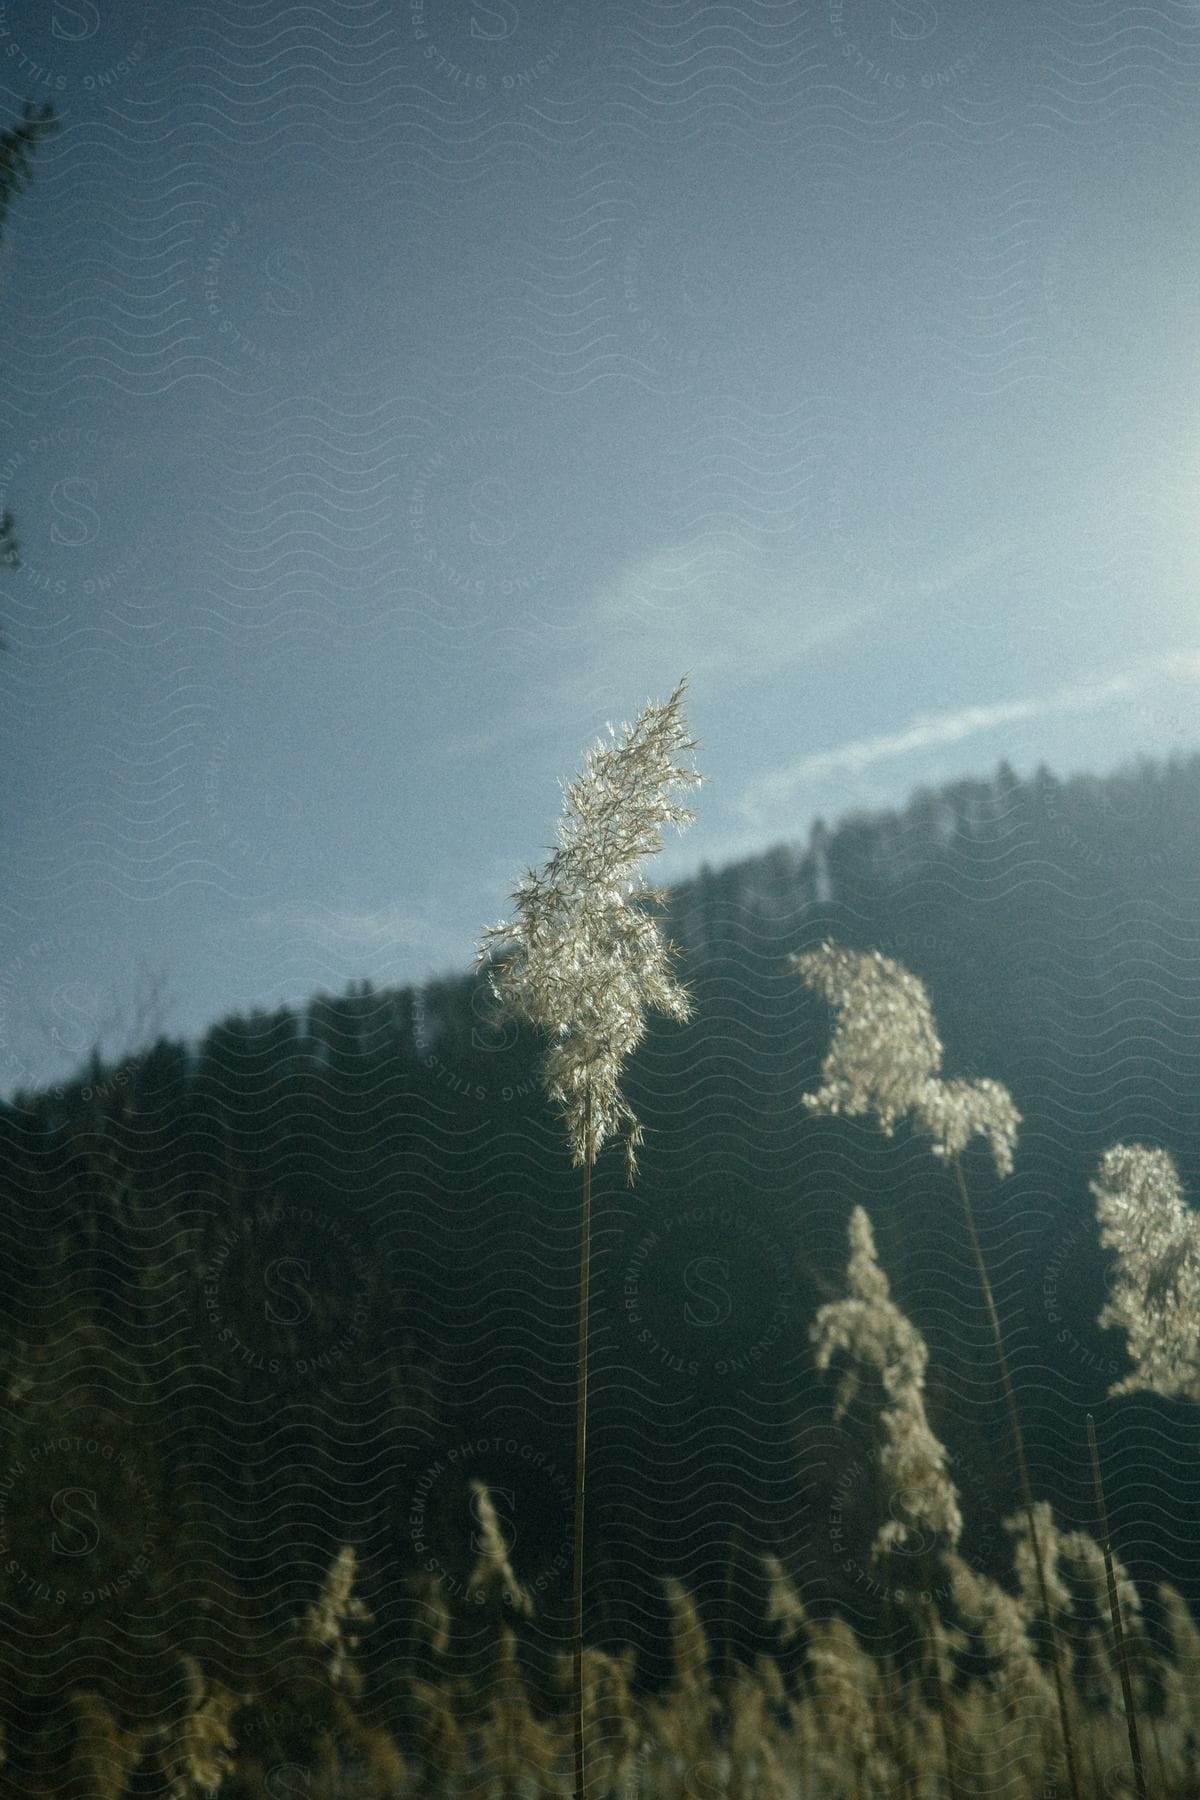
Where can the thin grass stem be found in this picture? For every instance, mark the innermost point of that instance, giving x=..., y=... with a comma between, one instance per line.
x=1114, y=1604
x=1014, y=1422
x=581, y=1397
x=950, y=1749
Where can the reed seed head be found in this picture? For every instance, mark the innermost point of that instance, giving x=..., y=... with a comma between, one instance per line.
x=1155, y=1292
x=886, y=1055
x=586, y=959
x=871, y=1329
x=493, y=1567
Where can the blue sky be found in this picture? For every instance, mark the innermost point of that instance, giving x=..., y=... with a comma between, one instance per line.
x=392, y=394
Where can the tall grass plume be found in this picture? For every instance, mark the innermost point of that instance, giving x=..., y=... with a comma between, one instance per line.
x=586, y=962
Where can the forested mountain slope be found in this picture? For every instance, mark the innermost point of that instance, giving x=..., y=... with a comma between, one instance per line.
x=385, y=1165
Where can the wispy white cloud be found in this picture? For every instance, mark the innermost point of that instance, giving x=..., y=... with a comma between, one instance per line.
x=710, y=606
x=729, y=612
x=375, y=928
x=774, y=795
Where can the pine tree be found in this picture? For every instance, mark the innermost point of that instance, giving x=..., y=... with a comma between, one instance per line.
x=17, y=145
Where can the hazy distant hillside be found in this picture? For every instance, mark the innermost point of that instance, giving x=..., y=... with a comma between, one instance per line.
x=1088, y=841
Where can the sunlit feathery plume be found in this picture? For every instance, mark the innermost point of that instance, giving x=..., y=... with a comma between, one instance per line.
x=324, y=1625
x=885, y=1059
x=587, y=958
x=785, y=1608
x=586, y=961
x=1155, y=1292
x=1054, y=1544
x=872, y=1330
x=1084, y=1558
x=493, y=1568
x=1002, y=1622
x=886, y=1054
